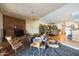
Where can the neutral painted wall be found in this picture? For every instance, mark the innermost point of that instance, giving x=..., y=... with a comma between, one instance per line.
x=33, y=26
x=1, y=26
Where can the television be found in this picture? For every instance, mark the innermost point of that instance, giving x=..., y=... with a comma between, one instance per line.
x=18, y=32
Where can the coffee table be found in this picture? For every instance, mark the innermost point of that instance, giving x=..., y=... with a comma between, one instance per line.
x=53, y=45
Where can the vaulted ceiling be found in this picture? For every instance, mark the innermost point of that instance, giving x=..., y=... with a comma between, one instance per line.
x=23, y=10
x=69, y=12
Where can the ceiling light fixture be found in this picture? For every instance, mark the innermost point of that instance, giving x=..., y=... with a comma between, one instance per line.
x=33, y=17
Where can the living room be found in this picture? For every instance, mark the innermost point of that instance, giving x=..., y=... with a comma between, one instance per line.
x=35, y=29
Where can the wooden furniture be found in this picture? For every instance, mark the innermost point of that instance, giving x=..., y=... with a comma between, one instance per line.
x=52, y=41
x=56, y=38
x=22, y=38
x=6, y=49
x=36, y=45
x=14, y=44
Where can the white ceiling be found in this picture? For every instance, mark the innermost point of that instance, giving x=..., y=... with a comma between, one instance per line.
x=22, y=10
x=69, y=12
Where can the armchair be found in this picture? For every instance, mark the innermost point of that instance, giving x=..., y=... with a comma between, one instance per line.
x=14, y=45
